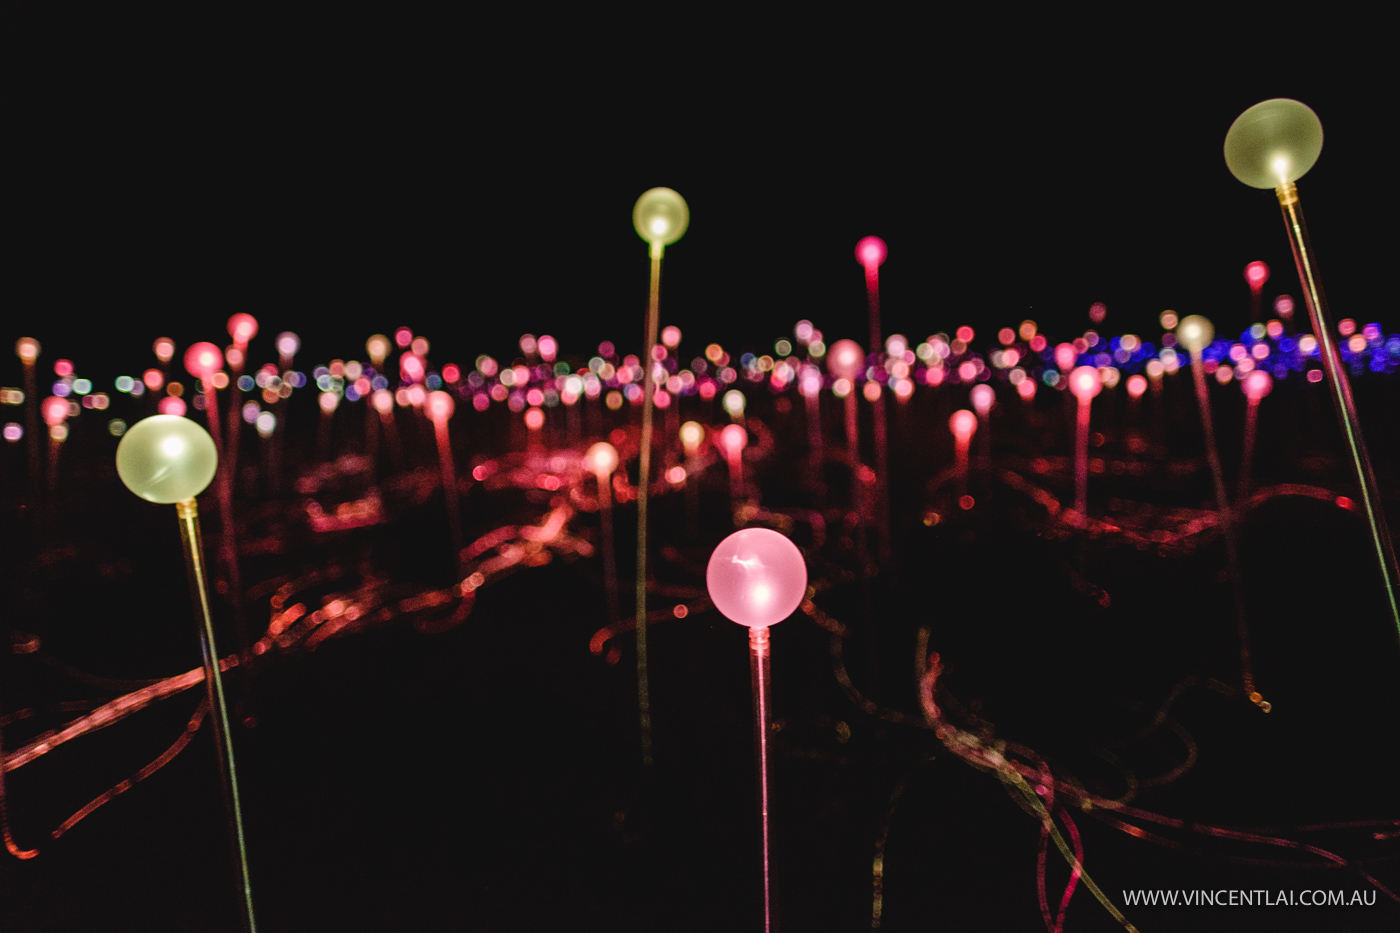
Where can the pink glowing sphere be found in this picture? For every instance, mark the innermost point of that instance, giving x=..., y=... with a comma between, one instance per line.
x=1257, y=385
x=982, y=398
x=242, y=327
x=203, y=360
x=734, y=439
x=164, y=349
x=845, y=359
x=383, y=401
x=27, y=349
x=963, y=424
x=1085, y=382
x=288, y=343
x=601, y=459
x=440, y=406
x=756, y=577
x=534, y=419
x=871, y=252
x=1256, y=274
x=170, y=405
x=1136, y=386
x=1065, y=355
x=55, y=410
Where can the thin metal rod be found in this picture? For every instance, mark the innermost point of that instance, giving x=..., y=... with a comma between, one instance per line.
x=1342, y=399
x=188, y=513
x=759, y=669
x=643, y=493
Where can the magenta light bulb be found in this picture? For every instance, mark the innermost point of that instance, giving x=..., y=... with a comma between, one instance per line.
x=1137, y=385
x=242, y=327
x=1256, y=274
x=982, y=398
x=734, y=439
x=1085, y=382
x=203, y=360
x=55, y=410
x=1257, y=385
x=440, y=406
x=288, y=343
x=871, y=252
x=1065, y=355
x=963, y=424
x=756, y=577
x=845, y=359
x=164, y=349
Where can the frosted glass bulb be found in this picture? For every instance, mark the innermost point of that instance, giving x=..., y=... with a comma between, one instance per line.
x=440, y=405
x=27, y=349
x=1085, y=382
x=242, y=327
x=845, y=359
x=871, y=252
x=963, y=424
x=756, y=577
x=1195, y=332
x=982, y=398
x=203, y=360
x=660, y=216
x=601, y=459
x=166, y=458
x=691, y=436
x=1273, y=142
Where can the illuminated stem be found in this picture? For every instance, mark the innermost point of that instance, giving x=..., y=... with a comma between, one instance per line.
x=643, y=493
x=194, y=565
x=961, y=445
x=605, y=513
x=759, y=664
x=31, y=425
x=1342, y=399
x=449, y=488
x=55, y=447
x=1251, y=420
x=1227, y=527
x=852, y=430
x=1081, y=462
x=814, y=433
x=882, y=471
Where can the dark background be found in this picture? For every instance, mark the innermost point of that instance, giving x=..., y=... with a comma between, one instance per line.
x=486, y=779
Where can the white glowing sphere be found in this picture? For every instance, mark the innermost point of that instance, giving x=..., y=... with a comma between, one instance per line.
x=661, y=216
x=845, y=359
x=166, y=458
x=1195, y=332
x=982, y=398
x=601, y=459
x=1273, y=142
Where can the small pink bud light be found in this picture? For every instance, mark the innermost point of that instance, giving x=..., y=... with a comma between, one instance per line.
x=288, y=343
x=534, y=419
x=601, y=460
x=1137, y=385
x=203, y=360
x=734, y=438
x=328, y=401
x=170, y=405
x=164, y=349
x=383, y=401
x=55, y=410
x=982, y=398
x=242, y=327
x=963, y=424
x=1085, y=382
x=871, y=252
x=27, y=349
x=756, y=577
x=1026, y=389
x=1257, y=385
x=1065, y=355
x=671, y=336
x=548, y=347
x=440, y=406
x=1256, y=274
x=845, y=359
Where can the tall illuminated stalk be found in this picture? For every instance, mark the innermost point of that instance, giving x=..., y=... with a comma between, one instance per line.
x=440, y=406
x=871, y=252
x=660, y=217
x=27, y=349
x=1084, y=383
x=168, y=459
x=1272, y=145
x=601, y=460
x=1255, y=386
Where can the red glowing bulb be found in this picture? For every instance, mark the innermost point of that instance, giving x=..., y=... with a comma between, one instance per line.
x=871, y=252
x=203, y=360
x=733, y=439
x=440, y=406
x=1256, y=274
x=534, y=419
x=756, y=577
x=242, y=327
x=1085, y=382
x=1136, y=386
x=845, y=359
x=1257, y=385
x=963, y=424
x=55, y=410
x=63, y=368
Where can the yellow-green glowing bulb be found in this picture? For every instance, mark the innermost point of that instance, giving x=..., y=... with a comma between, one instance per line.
x=1195, y=333
x=166, y=458
x=1272, y=143
x=660, y=217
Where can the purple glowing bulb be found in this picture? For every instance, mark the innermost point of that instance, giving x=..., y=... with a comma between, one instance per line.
x=756, y=577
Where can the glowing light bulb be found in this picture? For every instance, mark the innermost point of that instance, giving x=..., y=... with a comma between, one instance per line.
x=54, y=410
x=164, y=349
x=1137, y=385
x=1085, y=382
x=1256, y=274
x=27, y=349
x=671, y=336
x=440, y=406
x=202, y=360
x=601, y=460
x=691, y=436
x=377, y=347
x=660, y=216
x=733, y=402
x=328, y=401
x=734, y=439
x=963, y=424
x=166, y=458
x=1065, y=355
x=871, y=252
x=288, y=343
x=1273, y=142
x=1195, y=333
x=756, y=577
x=242, y=328
x=845, y=359
x=383, y=401
x=1257, y=384
x=982, y=398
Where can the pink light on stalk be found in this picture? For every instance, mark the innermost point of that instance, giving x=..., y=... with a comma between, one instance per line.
x=963, y=424
x=164, y=349
x=54, y=410
x=871, y=252
x=288, y=344
x=982, y=399
x=1065, y=355
x=1026, y=389
x=1256, y=386
x=170, y=405
x=1137, y=385
x=845, y=359
x=548, y=347
x=1256, y=274
x=242, y=327
x=601, y=460
x=758, y=578
x=1084, y=383
x=732, y=440
x=203, y=359
x=440, y=406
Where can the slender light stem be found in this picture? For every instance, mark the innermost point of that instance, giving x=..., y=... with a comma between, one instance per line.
x=31, y=423
x=1227, y=527
x=643, y=493
x=961, y=446
x=1081, y=463
x=1341, y=393
x=882, y=470
x=605, y=512
x=188, y=513
x=1251, y=421
x=449, y=488
x=759, y=668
